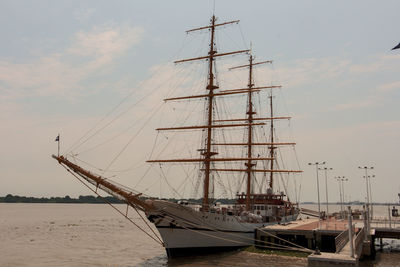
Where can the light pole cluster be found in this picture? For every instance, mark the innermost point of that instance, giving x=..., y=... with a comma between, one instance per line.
x=368, y=199
x=341, y=180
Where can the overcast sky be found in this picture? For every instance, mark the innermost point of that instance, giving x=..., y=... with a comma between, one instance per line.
x=65, y=64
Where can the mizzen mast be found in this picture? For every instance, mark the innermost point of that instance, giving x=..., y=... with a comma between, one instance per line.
x=272, y=147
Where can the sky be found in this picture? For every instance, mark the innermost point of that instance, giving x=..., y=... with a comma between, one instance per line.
x=67, y=67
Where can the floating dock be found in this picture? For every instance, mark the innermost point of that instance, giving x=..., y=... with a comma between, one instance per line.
x=305, y=233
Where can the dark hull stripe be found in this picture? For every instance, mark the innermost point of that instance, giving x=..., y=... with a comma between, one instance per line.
x=205, y=229
x=182, y=252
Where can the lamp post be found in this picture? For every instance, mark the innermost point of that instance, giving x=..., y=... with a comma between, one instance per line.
x=340, y=194
x=368, y=187
x=341, y=179
x=368, y=179
x=319, y=204
x=326, y=186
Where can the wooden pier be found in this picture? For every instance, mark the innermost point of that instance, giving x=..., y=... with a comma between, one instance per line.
x=305, y=233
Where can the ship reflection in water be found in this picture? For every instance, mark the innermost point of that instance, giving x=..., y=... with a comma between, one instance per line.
x=234, y=258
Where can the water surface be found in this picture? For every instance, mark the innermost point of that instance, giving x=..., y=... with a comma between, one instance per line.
x=96, y=235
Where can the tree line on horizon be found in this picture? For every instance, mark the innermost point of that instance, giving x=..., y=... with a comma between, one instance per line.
x=67, y=199
x=89, y=199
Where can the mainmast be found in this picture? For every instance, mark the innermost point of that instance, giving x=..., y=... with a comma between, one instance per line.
x=250, y=143
x=250, y=118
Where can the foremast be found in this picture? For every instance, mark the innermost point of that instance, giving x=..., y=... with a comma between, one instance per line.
x=211, y=87
x=207, y=152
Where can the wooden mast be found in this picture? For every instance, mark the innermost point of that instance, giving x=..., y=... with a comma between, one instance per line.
x=250, y=113
x=272, y=147
x=207, y=153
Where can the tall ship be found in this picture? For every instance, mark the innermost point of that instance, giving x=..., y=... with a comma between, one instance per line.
x=210, y=225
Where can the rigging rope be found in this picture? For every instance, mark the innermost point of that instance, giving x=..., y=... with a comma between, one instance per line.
x=75, y=145
x=145, y=221
x=109, y=203
x=132, y=138
x=165, y=178
x=299, y=248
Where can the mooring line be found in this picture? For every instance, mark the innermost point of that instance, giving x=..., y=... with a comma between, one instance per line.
x=276, y=246
x=300, y=248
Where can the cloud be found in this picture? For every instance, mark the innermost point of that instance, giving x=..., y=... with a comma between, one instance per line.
x=62, y=73
x=105, y=43
x=355, y=105
x=377, y=63
x=389, y=87
x=84, y=14
x=312, y=70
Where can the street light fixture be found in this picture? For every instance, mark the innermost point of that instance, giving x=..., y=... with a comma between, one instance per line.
x=326, y=186
x=340, y=195
x=368, y=179
x=368, y=185
x=343, y=179
x=370, y=189
x=319, y=204
x=340, y=180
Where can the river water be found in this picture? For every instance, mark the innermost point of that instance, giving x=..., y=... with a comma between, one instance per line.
x=96, y=235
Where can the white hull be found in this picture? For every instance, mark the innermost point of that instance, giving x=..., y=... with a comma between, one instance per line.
x=184, y=227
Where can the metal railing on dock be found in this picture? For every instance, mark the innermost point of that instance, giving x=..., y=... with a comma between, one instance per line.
x=359, y=241
x=309, y=212
x=385, y=223
x=341, y=240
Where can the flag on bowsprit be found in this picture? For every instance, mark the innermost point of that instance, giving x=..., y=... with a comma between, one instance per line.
x=396, y=47
x=58, y=144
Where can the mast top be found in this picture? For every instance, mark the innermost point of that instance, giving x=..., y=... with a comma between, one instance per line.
x=213, y=24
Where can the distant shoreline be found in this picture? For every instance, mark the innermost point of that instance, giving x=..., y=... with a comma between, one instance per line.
x=89, y=199
x=67, y=199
